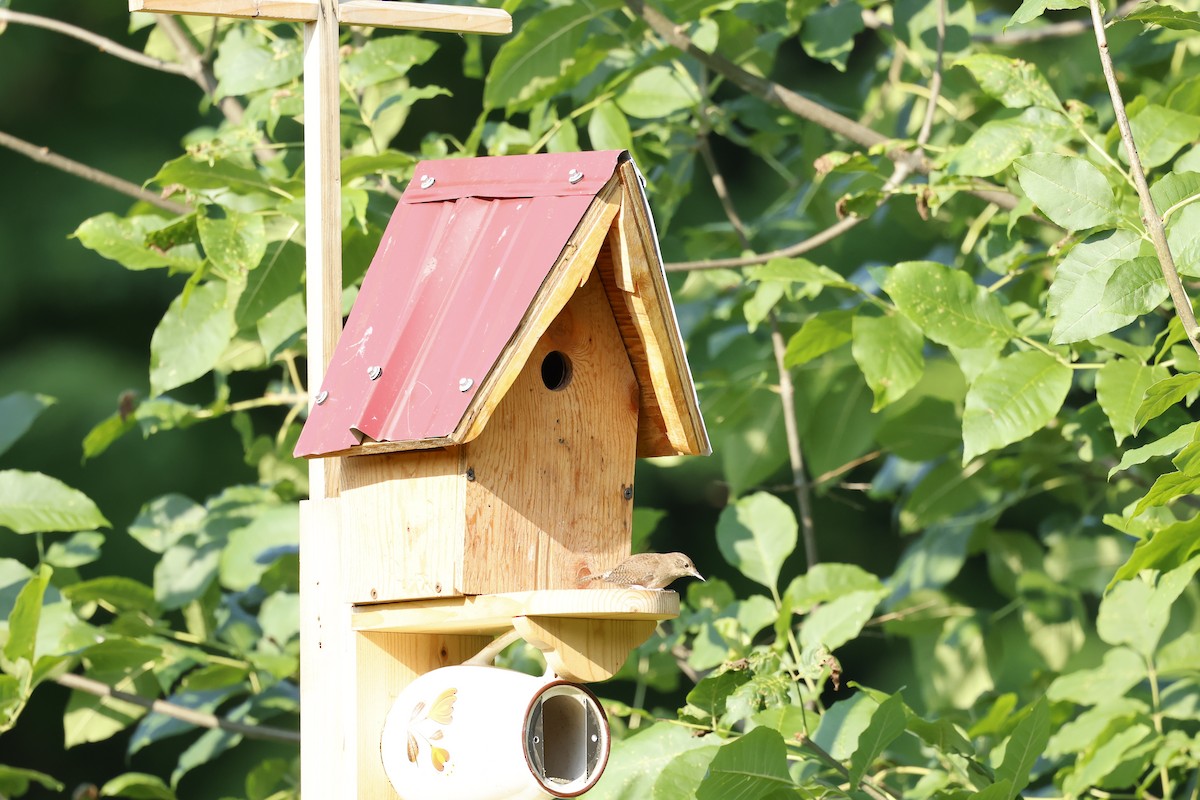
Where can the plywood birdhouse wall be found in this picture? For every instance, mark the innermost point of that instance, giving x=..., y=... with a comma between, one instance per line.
x=512, y=351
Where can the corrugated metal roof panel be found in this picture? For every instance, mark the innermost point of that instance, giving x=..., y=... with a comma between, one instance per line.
x=458, y=266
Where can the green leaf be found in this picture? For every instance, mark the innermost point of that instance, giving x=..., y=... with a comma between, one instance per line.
x=123, y=239
x=384, y=59
x=1012, y=81
x=1076, y=296
x=220, y=174
x=1166, y=488
x=1183, y=238
x=1164, y=550
x=81, y=548
x=683, y=774
x=828, y=33
x=17, y=412
x=282, y=326
x=843, y=723
x=247, y=61
x=748, y=768
x=608, y=129
x=234, y=242
x=756, y=535
x=125, y=665
x=1072, y=192
x=1162, y=395
x=1121, y=670
x=828, y=581
x=820, y=333
x=546, y=54
x=888, y=350
x=1024, y=747
x=838, y=621
x=251, y=550
x=184, y=573
x=138, y=786
x=114, y=591
x=25, y=617
x=1088, y=727
x=1136, y=612
x=1120, y=386
x=1160, y=132
x=1136, y=287
x=31, y=502
x=191, y=338
x=887, y=723
x=999, y=142
x=707, y=699
x=1165, y=15
x=658, y=92
x=1013, y=400
x=948, y=305
x=636, y=761
x=15, y=781
x=1175, y=188
x=162, y=522
x=1032, y=9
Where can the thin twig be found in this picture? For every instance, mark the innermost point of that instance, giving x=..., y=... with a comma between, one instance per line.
x=43, y=155
x=791, y=251
x=787, y=396
x=103, y=44
x=868, y=786
x=1055, y=30
x=935, y=82
x=1150, y=217
x=191, y=716
x=195, y=67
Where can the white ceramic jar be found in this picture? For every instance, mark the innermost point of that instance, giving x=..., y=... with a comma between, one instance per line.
x=478, y=733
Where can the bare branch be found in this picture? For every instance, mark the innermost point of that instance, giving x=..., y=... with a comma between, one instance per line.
x=43, y=155
x=791, y=251
x=1055, y=30
x=1150, y=216
x=935, y=82
x=103, y=44
x=800, y=482
x=195, y=68
x=191, y=716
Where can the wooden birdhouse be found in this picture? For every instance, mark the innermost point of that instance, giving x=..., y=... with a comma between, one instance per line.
x=512, y=350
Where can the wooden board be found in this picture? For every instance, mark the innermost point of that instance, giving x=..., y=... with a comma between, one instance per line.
x=493, y=614
x=552, y=471
x=375, y=13
x=584, y=650
x=403, y=520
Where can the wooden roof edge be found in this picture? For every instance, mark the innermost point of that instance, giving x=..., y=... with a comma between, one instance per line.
x=686, y=432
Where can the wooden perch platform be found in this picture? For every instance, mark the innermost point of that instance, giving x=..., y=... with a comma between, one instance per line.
x=585, y=635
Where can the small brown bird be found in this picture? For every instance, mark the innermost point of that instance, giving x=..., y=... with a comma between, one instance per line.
x=649, y=571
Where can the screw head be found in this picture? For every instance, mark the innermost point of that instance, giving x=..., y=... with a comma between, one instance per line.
x=427, y=181
x=627, y=492
x=574, y=176
x=464, y=384
x=374, y=372
x=322, y=397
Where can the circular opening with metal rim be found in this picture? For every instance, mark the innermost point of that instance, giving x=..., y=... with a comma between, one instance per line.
x=556, y=370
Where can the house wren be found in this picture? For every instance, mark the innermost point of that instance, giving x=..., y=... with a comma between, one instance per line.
x=649, y=571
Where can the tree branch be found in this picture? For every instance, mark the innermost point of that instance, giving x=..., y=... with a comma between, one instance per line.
x=195, y=68
x=103, y=44
x=1150, y=216
x=935, y=82
x=43, y=155
x=200, y=719
x=800, y=484
x=1055, y=30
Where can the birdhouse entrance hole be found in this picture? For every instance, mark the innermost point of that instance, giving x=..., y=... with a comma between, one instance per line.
x=556, y=370
x=566, y=740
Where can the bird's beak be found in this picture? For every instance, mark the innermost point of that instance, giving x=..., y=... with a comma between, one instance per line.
x=696, y=573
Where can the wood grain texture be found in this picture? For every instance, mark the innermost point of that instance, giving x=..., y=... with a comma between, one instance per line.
x=634, y=250
x=326, y=656
x=375, y=13
x=404, y=520
x=493, y=614
x=584, y=650
x=388, y=662
x=551, y=472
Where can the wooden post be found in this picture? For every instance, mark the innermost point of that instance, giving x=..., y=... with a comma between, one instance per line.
x=330, y=649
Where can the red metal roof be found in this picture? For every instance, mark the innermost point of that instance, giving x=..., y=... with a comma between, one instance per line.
x=465, y=252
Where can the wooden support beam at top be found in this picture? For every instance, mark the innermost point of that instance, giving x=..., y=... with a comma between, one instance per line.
x=374, y=13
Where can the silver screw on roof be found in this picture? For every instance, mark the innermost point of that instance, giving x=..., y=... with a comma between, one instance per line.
x=464, y=384
x=427, y=181
x=374, y=372
x=322, y=397
x=574, y=176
